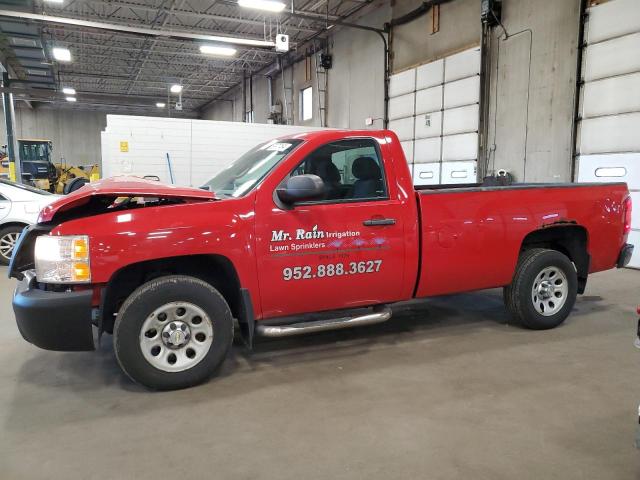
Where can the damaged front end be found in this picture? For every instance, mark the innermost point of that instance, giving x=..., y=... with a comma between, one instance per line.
x=56, y=304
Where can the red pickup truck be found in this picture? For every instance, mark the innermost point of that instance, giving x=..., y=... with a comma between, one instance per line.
x=307, y=233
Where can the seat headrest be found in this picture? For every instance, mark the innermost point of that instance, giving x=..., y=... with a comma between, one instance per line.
x=366, y=168
x=326, y=170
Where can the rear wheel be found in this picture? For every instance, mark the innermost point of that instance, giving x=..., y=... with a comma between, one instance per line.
x=543, y=290
x=74, y=184
x=173, y=332
x=8, y=238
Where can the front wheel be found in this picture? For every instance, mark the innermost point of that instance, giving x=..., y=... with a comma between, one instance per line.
x=8, y=238
x=172, y=332
x=543, y=290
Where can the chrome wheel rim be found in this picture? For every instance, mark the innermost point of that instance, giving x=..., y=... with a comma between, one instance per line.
x=7, y=242
x=550, y=291
x=176, y=336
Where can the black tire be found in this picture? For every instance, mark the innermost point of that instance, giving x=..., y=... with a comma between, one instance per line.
x=6, y=235
x=74, y=185
x=153, y=295
x=518, y=296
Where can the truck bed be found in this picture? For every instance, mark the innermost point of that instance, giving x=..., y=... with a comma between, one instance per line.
x=471, y=235
x=481, y=187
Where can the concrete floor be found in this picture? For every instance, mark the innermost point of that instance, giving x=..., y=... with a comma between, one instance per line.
x=445, y=390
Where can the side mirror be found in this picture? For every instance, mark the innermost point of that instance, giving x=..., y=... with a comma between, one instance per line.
x=301, y=188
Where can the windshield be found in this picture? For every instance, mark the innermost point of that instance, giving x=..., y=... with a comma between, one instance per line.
x=245, y=173
x=34, y=151
x=24, y=187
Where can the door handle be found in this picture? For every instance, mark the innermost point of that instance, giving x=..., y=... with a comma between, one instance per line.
x=2, y=207
x=375, y=222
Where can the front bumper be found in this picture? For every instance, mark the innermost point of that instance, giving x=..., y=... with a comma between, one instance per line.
x=54, y=320
x=625, y=255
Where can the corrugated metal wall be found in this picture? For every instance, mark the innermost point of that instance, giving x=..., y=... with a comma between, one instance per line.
x=608, y=143
x=434, y=109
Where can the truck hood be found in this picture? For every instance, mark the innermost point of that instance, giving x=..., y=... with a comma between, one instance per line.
x=112, y=188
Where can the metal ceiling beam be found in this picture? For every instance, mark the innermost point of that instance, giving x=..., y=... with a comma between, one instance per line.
x=117, y=78
x=62, y=33
x=306, y=16
x=137, y=30
x=159, y=57
x=96, y=98
x=183, y=53
x=145, y=50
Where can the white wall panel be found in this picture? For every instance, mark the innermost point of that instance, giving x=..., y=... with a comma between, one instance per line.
x=198, y=149
x=461, y=120
x=148, y=140
x=407, y=148
x=448, y=88
x=613, y=19
x=429, y=100
x=460, y=147
x=462, y=65
x=430, y=74
x=402, y=83
x=403, y=128
x=428, y=125
x=402, y=106
x=426, y=174
x=427, y=150
x=459, y=172
x=609, y=139
x=618, y=167
x=613, y=57
x=612, y=95
x=462, y=92
x=610, y=134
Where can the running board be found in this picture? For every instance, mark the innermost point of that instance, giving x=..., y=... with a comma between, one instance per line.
x=379, y=315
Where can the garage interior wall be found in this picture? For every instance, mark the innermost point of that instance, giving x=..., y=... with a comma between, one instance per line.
x=608, y=144
x=413, y=44
x=75, y=133
x=532, y=90
x=356, y=90
x=532, y=79
x=530, y=97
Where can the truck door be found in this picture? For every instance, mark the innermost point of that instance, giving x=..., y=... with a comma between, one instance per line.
x=344, y=250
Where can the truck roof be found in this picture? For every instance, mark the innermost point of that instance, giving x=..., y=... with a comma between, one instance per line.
x=343, y=134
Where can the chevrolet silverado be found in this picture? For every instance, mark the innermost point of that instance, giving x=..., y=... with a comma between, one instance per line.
x=312, y=232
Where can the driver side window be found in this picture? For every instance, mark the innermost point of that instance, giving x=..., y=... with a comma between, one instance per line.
x=350, y=170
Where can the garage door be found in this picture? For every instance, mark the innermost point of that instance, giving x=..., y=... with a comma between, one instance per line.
x=434, y=110
x=609, y=139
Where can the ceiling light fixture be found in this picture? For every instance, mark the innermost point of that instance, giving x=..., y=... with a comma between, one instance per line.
x=161, y=104
x=268, y=5
x=62, y=54
x=218, y=50
x=69, y=91
x=54, y=1
x=71, y=99
x=176, y=88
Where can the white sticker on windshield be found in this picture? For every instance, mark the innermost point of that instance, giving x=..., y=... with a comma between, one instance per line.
x=278, y=147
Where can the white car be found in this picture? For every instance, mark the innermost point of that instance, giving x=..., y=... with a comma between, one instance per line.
x=19, y=207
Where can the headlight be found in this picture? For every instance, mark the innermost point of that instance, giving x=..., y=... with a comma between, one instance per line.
x=62, y=259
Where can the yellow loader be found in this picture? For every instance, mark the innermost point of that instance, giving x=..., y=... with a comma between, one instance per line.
x=39, y=171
